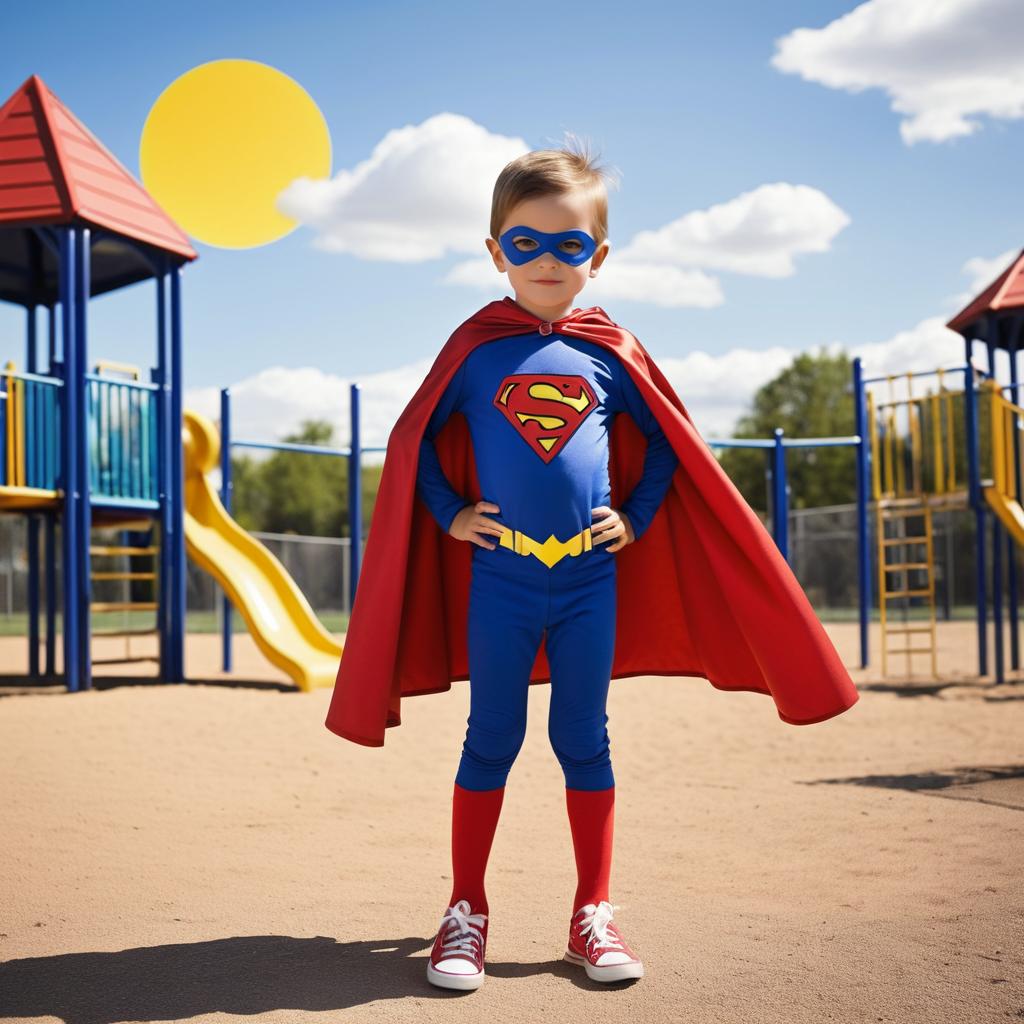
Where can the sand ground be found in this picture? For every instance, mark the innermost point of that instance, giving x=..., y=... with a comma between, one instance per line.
x=208, y=851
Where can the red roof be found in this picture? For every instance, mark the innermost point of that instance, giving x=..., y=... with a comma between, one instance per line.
x=1005, y=292
x=53, y=170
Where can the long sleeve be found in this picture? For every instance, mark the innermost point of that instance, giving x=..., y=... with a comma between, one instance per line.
x=433, y=486
x=660, y=461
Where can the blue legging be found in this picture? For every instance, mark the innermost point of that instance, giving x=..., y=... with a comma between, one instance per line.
x=512, y=603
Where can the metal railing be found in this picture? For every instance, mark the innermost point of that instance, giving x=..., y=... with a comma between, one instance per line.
x=29, y=429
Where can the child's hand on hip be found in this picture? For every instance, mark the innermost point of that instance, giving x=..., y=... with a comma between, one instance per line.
x=471, y=524
x=614, y=526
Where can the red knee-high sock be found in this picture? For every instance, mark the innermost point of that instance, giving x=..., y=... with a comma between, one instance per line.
x=474, y=819
x=591, y=819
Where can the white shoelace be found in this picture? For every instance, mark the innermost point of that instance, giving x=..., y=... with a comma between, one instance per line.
x=468, y=927
x=597, y=924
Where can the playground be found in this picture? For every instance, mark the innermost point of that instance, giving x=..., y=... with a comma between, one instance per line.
x=184, y=840
x=108, y=449
x=198, y=853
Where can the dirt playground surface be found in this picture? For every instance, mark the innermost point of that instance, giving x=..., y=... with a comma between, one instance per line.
x=210, y=852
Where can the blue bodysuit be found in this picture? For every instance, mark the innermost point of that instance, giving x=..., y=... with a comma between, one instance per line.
x=539, y=409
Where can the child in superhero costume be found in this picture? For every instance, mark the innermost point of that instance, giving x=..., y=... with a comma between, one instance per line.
x=525, y=532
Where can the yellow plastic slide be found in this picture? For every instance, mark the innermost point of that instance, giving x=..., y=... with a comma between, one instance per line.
x=1010, y=513
x=280, y=619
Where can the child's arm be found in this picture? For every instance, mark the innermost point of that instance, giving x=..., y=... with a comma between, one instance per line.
x=431, y=483
x=660, y=460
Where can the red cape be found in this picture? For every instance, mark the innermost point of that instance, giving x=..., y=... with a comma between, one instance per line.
x=704, y=592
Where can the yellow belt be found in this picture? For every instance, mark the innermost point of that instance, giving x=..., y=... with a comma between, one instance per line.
x=552, y=550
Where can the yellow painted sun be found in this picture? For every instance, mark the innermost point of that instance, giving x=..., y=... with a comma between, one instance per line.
x=220, y=144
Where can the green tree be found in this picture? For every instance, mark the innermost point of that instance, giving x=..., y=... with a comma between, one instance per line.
x=812, y=397
x=306, y=492
x=248, y=498
x=297, y=492
x=292, y=492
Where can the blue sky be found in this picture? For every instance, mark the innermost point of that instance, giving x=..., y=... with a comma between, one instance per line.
x=890, y=217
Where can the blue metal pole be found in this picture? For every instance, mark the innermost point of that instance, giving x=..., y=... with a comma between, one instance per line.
x=974, y=491
x=51, y=519
x=33, y=440
x=32, y=539
x=991, y=344
x=355, y=494
x=163, y=462
x=82, y=252
x=780, y=505
x=178, y=578
x=863, y=454
x=69, y=464
x=51, y=595
x=226, y=488
x=1013, y=334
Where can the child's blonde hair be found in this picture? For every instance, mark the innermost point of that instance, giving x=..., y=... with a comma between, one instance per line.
x=544, y=172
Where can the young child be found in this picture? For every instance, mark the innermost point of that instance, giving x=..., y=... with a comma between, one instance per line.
x=525, y=532
x=539, y=407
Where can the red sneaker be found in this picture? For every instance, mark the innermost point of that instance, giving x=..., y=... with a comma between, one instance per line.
x=457, y=959
x=596, y=944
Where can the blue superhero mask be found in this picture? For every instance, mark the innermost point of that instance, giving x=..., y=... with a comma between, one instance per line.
x=547, y=243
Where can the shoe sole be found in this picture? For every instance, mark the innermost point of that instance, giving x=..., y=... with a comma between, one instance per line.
x=444, y=979
x=613, y=972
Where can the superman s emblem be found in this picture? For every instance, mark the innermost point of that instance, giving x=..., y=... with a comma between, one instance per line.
x=545, y=408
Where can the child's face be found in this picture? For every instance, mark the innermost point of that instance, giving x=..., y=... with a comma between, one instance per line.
x=570, y=211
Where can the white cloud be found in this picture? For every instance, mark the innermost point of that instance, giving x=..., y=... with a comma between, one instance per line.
x=758, y=232
x=982, y=272
x=925, y=346
x=942, y=62
x=423, y=192
x=718, y=389
x=410, y=201
x=275, y=401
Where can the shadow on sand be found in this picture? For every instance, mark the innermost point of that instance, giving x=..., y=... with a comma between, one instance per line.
x=998, y=785
x=245, y=976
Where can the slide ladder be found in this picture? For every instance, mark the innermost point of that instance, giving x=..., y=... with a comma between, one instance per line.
x=913, y=564
x=126, y=552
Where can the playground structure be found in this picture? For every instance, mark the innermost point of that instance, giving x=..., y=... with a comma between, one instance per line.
x=953, y=448
x=90, y=450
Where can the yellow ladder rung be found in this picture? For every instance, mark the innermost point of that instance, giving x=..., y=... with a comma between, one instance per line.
x=910, y=650
x=908, y=629
x=906, y=565
x=904, y=540
x=124, y=575
x=920, y=592
x=115, y=549
x=123, y=606
x=893, y=513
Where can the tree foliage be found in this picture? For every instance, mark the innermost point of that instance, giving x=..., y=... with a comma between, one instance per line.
x=299, y=492
x=812, y=397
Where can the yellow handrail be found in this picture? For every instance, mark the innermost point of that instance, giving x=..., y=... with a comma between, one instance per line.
x=904, y=463
x=110, y=364
x=15, y=453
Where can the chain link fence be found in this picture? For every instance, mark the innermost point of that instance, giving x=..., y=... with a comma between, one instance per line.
x=823, y=554
x=320, y=567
